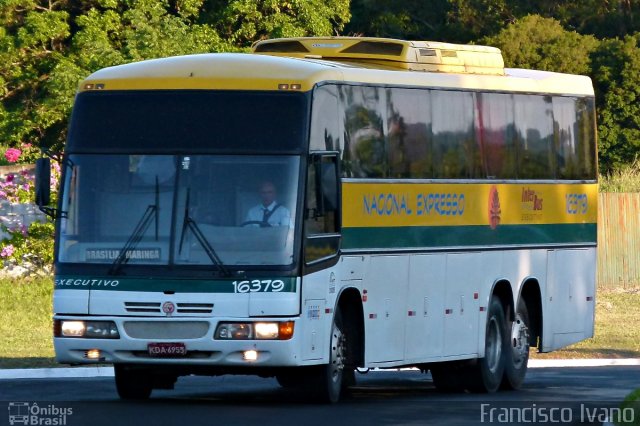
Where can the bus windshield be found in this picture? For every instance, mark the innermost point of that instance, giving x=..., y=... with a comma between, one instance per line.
x=222, y=211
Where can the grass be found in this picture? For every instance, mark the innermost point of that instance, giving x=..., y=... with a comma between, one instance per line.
x=627, y=179
x=617, y=330
x=26, y=329
x=25, y=323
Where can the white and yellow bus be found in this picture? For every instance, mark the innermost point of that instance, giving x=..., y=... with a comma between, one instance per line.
x=434, y=209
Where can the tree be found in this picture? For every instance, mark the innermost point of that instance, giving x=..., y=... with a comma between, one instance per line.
x=616, y=74
x=473, y=19
x=47, y=48
x=243, y=22
x=407, y=19
x=542, y=43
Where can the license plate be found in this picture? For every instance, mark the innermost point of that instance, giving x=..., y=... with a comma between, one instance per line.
x=167, y=350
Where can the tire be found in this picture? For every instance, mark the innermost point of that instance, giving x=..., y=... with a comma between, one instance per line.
x=132, y=384
x=517, y=349
x=486, y=374
x=332, y=378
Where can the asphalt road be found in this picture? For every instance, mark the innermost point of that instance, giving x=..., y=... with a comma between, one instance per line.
x=568, y=395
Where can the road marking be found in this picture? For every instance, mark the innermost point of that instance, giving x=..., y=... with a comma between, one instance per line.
x=604, y=362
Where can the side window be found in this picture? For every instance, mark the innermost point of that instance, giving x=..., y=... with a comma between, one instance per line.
x=409, y=135
x=586, y=136
x=534, y=133
x=565, y=138
x=321, y=218
x=325, y=128
x=364, y=132
x=456, y=154
x=495, y=136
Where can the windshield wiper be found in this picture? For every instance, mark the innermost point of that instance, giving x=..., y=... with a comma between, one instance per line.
x=150, y=214
x=189, y=223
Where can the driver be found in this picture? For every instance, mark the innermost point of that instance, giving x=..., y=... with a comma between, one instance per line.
x=268, y=213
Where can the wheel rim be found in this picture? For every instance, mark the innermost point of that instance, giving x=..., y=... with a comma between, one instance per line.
x=493, y=345
x=337, y=354
x=519, y=340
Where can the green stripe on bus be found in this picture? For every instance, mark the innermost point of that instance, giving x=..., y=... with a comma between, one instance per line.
x=462, y=236
x=263, y=285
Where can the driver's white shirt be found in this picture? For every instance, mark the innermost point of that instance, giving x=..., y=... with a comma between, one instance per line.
x=280, y=217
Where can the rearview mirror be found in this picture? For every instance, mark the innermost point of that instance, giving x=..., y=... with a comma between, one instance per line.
x=43, y=185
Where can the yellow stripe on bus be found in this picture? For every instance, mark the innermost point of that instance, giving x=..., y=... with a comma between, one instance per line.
x=393, y=204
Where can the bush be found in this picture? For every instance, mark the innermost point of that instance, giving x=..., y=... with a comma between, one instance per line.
x=626, y=179
x=28, y=248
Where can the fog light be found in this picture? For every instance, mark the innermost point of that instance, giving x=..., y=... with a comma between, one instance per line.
x=93, y=354
x=250, y=355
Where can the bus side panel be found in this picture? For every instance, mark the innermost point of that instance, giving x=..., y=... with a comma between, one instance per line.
x=318, y=294
x=386, y=307
x=461, y=306
x=570, y=298
x=425, y=302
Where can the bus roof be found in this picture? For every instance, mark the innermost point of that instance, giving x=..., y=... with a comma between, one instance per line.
x=271, y=67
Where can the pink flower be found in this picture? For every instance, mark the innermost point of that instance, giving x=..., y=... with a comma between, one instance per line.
x=10, y=177
x=3, y=195
x=23, y=230
x=26, y=187
x=7, y=251
x=12, y=154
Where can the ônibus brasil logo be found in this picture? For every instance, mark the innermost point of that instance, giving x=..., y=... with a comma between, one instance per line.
x=30, y=413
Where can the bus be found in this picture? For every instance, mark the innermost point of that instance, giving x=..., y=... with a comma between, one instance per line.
x=434, y=209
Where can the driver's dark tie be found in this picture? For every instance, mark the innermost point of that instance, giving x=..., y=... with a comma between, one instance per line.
x=265, y=217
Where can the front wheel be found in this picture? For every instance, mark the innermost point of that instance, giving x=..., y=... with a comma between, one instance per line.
x=332, y=377
x=486, y=374
x=517, y=349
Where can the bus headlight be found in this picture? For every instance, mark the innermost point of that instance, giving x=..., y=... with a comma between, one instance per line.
x=86, y=329
x=254, y=330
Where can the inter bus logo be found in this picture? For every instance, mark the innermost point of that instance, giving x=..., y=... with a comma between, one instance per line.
x=494, y=207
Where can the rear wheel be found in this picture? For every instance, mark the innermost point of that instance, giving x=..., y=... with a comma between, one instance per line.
x=132, y=383
x=517, y=349
x=486, y=374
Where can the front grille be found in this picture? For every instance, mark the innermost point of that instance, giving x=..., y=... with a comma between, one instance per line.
x=145, y=307
x=195, y=308
x=156, y=308
x=166, y=329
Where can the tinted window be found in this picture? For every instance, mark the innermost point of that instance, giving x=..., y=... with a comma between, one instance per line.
x=495, y=132
x=445, y=134
x=364, y=133
x=455, y=151
x=325, y=132
x=409, y=135
x=534, y=135
x=195, y=121
x=586, y=131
